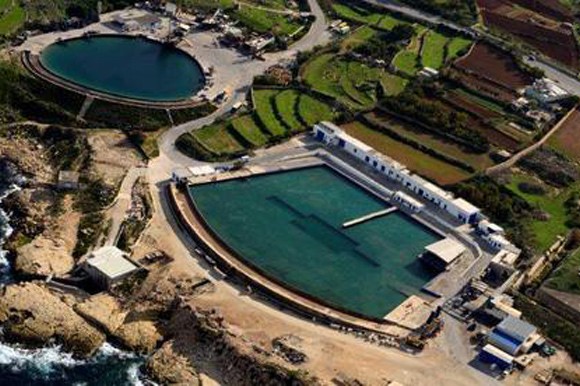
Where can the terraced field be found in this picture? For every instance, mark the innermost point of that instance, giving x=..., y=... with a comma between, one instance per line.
x=352, y=83
x=417, y=161
x=276, y=114
x=246, y=127
x=363, y=16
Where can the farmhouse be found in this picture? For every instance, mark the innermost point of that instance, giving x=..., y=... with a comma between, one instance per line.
x=462, y=210
x=108, y=266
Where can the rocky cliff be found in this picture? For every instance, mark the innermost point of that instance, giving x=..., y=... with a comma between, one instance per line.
x=30, y=313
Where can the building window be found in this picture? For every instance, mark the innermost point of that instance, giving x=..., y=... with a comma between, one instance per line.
x=382, y=168
x=367, y=159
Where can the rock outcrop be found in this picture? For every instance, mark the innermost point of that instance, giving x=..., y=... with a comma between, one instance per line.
x=103, y=311
x=169, y=368
x=202, y=335
x=140, y=336
x=30, y=313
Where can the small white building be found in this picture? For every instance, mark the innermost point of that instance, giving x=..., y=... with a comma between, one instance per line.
x=108, y=266
x=408, y=202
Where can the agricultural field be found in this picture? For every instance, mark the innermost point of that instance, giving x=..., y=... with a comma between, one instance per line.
x=551, y=201
x=429, y=48
x=554, y=38
x=446, y=147
x=417, y=161
x=490, y=71
x=352, y=83
x=567, y=137
x=433, y=52
x=408, y=60
x=276, y=114
x=263, y=21
x=12, y=16
x=363, y=16
x=566, y=278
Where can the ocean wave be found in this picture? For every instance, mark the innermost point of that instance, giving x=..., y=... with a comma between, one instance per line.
x=44, y=360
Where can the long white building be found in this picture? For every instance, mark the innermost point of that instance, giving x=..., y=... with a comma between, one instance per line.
x=459, y=208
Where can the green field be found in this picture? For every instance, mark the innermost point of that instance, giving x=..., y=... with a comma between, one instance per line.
x=552, y=202
x=12, y=16
x=217, y=139
x=313, y=111
x=246, y=126
x=408, y=60
x=264, y=107
x=285, y=105
x=417, y=161
x=352, y=83
x=435, y=142
x=433, y=53
x=566, y=277
x=456, y=45
x=363, y=16
x=357, y=37
x=263, y=21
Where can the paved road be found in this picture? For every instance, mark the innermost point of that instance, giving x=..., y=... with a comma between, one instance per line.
x=235, y=73
x=564, y=80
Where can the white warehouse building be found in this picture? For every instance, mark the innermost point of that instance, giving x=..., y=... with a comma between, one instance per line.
x=331, y=134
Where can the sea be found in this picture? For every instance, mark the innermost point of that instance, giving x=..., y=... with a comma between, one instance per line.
x=50, y=365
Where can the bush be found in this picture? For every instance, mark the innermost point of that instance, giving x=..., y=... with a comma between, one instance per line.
x=531, y=188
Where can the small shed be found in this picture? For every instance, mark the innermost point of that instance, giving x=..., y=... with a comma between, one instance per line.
x=68, y=180
x=442, y=253
x=108, y=266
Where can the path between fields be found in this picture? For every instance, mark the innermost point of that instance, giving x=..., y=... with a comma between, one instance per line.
x=513, y=160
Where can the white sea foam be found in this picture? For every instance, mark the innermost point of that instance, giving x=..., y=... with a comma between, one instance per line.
x=43, y=360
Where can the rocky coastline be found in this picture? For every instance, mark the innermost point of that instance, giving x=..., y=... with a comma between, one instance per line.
x=155, y=316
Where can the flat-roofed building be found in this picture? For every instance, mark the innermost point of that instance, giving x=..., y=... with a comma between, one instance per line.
x=493, y=355
x=503, y=263
x=441, y=254
x=108, y=266
x=513, y=336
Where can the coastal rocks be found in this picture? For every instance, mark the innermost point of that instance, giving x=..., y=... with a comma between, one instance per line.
x=30, y=313
x=168, y=367
x=204, y=337
x=140, y=336
x=102, y=310
x=50, y=253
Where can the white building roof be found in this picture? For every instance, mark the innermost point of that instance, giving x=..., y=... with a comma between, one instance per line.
x=355, y=142
x=496, y=352
x=516, y=328
x=407, y=198
x=465, y=206
x=447, y=249
x=505, y=257
x=111, y=261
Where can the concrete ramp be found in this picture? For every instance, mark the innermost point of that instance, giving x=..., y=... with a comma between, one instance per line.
x=370, y=216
